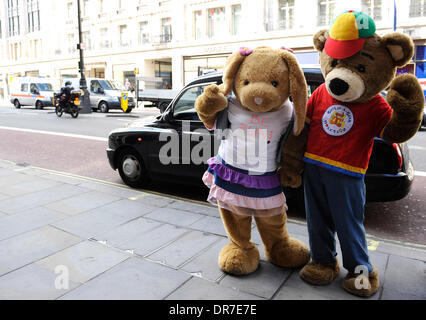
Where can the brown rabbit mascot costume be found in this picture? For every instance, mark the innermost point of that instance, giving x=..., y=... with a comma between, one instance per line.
x=343, y=117
x=262, y=81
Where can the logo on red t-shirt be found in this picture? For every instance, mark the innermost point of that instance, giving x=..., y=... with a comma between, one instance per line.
x=337, y=120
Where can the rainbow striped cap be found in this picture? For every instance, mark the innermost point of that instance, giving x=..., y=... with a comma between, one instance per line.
x=347, y=34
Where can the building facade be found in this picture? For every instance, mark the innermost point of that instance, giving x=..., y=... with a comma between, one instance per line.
x=175, y=40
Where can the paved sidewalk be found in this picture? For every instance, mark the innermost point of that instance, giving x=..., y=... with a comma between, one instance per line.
x=118, y=243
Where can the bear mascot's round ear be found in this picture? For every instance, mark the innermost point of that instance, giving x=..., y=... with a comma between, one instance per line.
x=400, y=46
x=319, y=40
x=298, y=90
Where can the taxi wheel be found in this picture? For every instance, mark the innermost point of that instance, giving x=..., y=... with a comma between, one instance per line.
x=131, y=168
x=39, y=105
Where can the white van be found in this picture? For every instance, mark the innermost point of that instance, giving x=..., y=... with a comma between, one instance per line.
x=104, y=94
x=31, y=91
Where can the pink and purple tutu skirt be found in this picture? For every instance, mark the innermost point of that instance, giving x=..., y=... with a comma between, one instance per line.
x=236, y=190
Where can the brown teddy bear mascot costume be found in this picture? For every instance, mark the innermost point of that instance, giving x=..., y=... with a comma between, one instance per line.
x=242, y=184
x=343, y=117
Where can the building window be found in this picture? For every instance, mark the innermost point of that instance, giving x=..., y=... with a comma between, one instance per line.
x=236, y=19
x=101, y=6
x=216, y=22
x=417, y=8
x=72, y=46
x=197, y=24
x=13, y=15
x=285, y=14
x=85, y=9
x=143, y=33
x=70, y=13
x=87, y=40
x=325, y=12
x=33, y=12
x=124, y=36
x=104, y=43
x=373, y=8
x=166, y=30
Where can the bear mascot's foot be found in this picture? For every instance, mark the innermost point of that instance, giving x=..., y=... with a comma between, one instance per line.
x=367, y=288
x=320, y=274
x=238, y=261
x=290, y=253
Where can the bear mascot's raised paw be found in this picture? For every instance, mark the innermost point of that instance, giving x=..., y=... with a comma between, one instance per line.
x=243, y=178
x=343, y=117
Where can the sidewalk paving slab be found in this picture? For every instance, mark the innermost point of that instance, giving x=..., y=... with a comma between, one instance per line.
x=29, y=247
x=199, y=289
x=32, y=282
x=25, y=187
x=121, y=243
x=154, y=200
x=205, y=265
x=405, y=279
x=82, y=202
x=130, y=280
x=173, y=216
x=92, y=223
x=151, y=241
x=114, y=190
x=128, y=232
x=263, y=283
x=197, y=208
x=210, y=224
x=183, y=248
x=27, y=220
x=84, y=261
x=17, y=204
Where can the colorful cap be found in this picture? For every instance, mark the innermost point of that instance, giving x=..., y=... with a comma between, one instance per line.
x=347, y=34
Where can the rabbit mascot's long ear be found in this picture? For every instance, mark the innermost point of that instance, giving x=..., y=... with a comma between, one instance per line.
x=231, y=68
x=298, y=90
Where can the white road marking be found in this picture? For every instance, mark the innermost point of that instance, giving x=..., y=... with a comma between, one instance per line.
x=52, y=133
x=416, y=148
x=420, y=173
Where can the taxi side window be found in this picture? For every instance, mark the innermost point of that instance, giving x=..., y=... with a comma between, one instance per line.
x=184, y=108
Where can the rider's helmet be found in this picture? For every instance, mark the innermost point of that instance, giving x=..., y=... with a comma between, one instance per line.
x=68, y=83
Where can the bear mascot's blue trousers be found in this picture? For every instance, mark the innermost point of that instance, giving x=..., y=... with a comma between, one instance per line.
x=335, y=203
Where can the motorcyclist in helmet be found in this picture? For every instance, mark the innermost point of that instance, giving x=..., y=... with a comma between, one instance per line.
x=65, y=93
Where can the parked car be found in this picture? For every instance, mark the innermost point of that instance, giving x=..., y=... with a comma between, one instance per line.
x=105, y=94
x=134, y=150
x=31, y=91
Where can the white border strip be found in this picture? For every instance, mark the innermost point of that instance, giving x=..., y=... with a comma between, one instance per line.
x=420, y=173
x=52, y=133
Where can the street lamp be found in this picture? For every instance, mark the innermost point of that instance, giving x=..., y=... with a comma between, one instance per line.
x=85, y=103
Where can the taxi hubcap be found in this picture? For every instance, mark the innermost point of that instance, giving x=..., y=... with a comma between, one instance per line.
x=131, y=167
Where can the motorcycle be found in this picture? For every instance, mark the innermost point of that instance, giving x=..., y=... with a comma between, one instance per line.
x=70, y=105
